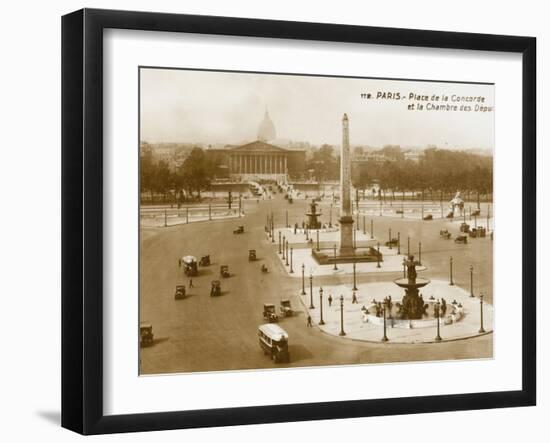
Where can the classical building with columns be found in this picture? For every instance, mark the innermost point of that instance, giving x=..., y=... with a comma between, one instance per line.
x=259, y=160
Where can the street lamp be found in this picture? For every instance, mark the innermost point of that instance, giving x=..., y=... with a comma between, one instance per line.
x=371, y=228
x=471, y=281
x=286, y=254
x=279, y=243
x=399, y=243
x=321, y=321
x=342, y=333
x=378, y=255
x=389, y=236
x=335, y=267
x=408, y=246
x=330, y=219
x=284, y=243
x=451, y=283
x=291, y=270
x=364, y=227
x=354, y=277
x=437, y=337
x=286, y=218
x=420, y=253
x=481, y=329
x=311, y=292
x=318, y=249
x=385, y=337
x=303, y=279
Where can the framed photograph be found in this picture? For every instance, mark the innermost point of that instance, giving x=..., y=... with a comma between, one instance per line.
x=269, y=221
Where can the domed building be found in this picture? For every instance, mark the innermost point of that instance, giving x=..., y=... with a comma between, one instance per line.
x=266, y=131
x=259, y=160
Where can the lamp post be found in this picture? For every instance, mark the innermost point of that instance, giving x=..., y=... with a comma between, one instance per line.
x=420, y=253
x=272, y=229
x=286, y=254
x=286, y=218
x=342, y=333
x=291, y=270
x=279, y=243
x=364, y=226
x=284, y=243
x=318, y=249
x=330, y=216
x=354, y=278
x=451, y=283
x=378, y=255
x=385, y=337
x=389, y=236
x=404, y=269
x=311, y=292
x=437, y=337
x=321, y=321
x=472, y=281
x=408, y=246
x=335, y=267
x=303, y=279
x=371, y=228
x=399, y=243
x=481, y=329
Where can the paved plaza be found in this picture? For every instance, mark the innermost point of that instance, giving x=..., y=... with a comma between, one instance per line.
x=203, y=333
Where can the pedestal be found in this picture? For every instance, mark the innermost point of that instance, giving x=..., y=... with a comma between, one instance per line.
x=346, y=236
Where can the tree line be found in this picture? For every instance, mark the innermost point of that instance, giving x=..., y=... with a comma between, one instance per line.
x=184, y=182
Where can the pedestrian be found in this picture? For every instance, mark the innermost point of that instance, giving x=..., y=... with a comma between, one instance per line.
x=309, y=321
x=191, y=283
x=354, y=298
x=330, y=300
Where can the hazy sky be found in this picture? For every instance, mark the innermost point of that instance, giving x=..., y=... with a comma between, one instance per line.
x=219, y=107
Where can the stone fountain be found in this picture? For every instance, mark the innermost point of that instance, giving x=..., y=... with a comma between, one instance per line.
x=413, y=306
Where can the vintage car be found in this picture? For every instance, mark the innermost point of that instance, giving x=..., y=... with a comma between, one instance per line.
x=239, y=230
x=224, y=271
x=251, y=255
x=274, y=342
x=189, y=264
x=264, y=269
x=428, y=217
x=461, y=239
x=216, y=288
x=204, y=261
x=464, y=227
x=285, y=308
x=444, y=233
x=476, y=212
x=290, y=199
x=269, y=313
x=399, y=211
x=145, y=334
x=392, y=243
x=180, y=292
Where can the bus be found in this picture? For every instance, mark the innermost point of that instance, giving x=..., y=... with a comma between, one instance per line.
x=274, y=342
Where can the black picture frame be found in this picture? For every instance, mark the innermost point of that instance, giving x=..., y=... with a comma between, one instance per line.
x=82, y=217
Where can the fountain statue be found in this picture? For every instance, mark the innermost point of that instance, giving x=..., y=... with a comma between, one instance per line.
x=412, y=305
x=455, y=203
x=312, y=216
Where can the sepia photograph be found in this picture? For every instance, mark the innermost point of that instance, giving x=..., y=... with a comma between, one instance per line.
x=294, y=220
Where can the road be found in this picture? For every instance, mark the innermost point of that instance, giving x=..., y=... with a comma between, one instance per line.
x=203, y=333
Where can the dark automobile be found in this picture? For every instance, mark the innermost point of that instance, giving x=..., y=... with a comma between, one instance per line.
x=224, y=271
x=205, y=260
x=251, y=255
x=180, y=292
x=239, y=230
x=145, y=334
x=285, y=308
x=274, y=342
x=428, y=217
x=216, y=289
x=463, y=239
x=190, y=265
x=269, y=313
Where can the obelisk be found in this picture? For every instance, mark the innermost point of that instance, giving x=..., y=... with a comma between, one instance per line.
x=346, y=216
